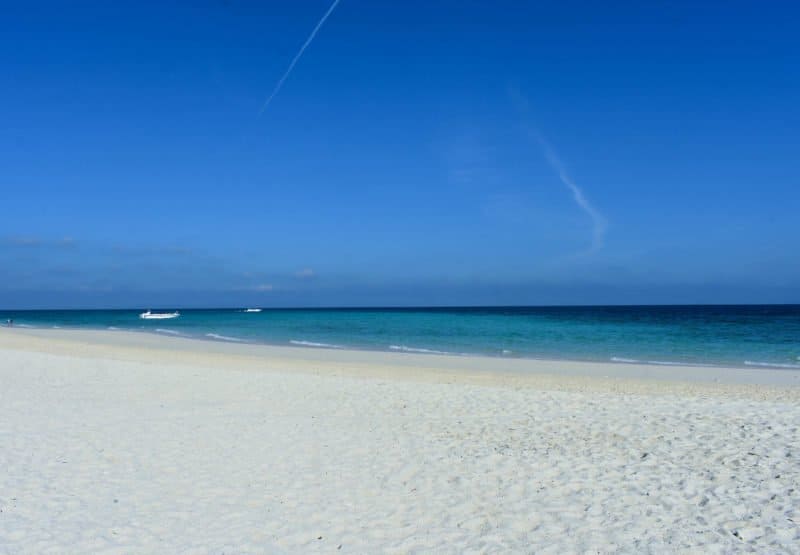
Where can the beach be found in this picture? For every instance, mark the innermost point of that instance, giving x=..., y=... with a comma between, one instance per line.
x=123, y=442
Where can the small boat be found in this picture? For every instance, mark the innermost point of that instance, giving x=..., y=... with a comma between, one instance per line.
x=252, y=310
x=159, y=315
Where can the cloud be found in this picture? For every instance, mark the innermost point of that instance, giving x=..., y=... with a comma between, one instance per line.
x=470, y=161
x=305, y=273
x=297, y=57
x=24, y=241
x=66, y=242
x=599, y=222
x=131, y=250
x=261, y=287
x=30, y=241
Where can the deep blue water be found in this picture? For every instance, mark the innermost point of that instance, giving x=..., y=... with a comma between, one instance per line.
x=751, y=335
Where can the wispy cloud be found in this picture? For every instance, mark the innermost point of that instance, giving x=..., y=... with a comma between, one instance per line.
x=599, y=222
x=262, y=287
x=150, y=250
x=20, y=241
x=305, y=273
x=297, y=57
x=469, y=160
x=32, y=241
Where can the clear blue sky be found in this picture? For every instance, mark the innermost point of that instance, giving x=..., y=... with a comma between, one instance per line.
x=418, y=153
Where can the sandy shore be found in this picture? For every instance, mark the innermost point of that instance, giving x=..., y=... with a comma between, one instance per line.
x=114, y=442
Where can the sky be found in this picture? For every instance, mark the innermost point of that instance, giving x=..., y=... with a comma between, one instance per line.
x=158, y=154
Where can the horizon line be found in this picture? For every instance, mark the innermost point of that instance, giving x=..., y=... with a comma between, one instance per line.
x=411, y=307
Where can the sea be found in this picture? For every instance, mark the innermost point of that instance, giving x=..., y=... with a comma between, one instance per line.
x=757, y=336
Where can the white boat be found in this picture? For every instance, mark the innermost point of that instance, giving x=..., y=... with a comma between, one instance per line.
x=159, y=315
x=252, y=310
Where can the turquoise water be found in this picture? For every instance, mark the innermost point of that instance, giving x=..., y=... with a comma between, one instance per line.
x=755, y=336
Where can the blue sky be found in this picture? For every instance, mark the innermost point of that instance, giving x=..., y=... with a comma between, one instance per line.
x=418, y=153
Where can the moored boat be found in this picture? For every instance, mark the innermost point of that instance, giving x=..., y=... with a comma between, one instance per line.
x=158, y=315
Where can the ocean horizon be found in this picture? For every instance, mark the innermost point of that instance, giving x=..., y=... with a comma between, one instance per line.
x=765, y=336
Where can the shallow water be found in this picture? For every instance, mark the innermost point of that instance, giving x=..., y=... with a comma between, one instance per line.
x=754, y=335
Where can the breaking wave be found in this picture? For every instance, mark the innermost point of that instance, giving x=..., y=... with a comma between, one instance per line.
x=772, y=364
x=224, y=337
x=659, y=362
x=314, y=344
x=171, y=332
x=405, y=349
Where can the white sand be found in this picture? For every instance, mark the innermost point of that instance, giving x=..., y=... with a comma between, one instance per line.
x=128, y=443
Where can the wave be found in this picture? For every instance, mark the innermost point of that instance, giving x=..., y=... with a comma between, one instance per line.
x=313, y=344
x=772, y=364
x=224, y=337
x=171, y=332
x=15, y=325
x=112, y=328
x=405, y=349
x=660, y=362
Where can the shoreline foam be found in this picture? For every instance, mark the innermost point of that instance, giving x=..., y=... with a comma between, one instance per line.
x=725, y=336
x=137, y=346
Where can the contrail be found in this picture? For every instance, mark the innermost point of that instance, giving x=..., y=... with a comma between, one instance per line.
x=297, y=57
x=599, y=223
